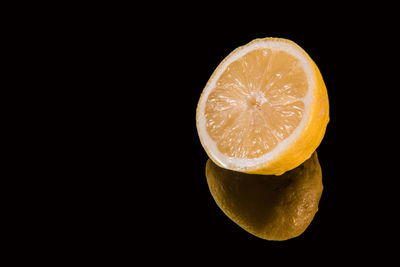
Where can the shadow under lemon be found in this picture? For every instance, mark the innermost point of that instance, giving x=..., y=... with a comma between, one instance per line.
x=270, y=207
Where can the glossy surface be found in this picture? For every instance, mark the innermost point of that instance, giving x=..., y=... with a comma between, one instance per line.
x=268, y=206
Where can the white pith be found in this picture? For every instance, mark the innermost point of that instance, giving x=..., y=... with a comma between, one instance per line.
x=245, y=164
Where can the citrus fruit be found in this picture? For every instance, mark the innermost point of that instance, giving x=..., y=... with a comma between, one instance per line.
x=265, y=108
x=268, y=206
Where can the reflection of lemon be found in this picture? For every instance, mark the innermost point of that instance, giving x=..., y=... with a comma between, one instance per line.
x=270, y=207
x=265, y=108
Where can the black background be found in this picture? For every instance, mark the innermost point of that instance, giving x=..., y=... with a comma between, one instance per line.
x=130, y=180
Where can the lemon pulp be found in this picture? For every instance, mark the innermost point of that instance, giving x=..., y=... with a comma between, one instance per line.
x=257, y=102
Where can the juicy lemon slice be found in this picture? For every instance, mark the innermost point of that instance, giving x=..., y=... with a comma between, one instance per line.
x=265, y=108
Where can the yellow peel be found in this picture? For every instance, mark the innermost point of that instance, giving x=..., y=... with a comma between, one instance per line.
x=268, y=206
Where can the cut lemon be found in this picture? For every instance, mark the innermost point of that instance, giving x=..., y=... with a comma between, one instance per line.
x=265, y=108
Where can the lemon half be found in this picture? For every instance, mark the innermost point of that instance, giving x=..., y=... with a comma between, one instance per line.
x=265, y=108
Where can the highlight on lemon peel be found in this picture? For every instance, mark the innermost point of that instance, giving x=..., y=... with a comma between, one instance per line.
x=264, y=110
x=268, y=206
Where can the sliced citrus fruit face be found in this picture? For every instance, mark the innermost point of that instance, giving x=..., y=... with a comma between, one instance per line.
x=268, y=206
x=264, y=109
